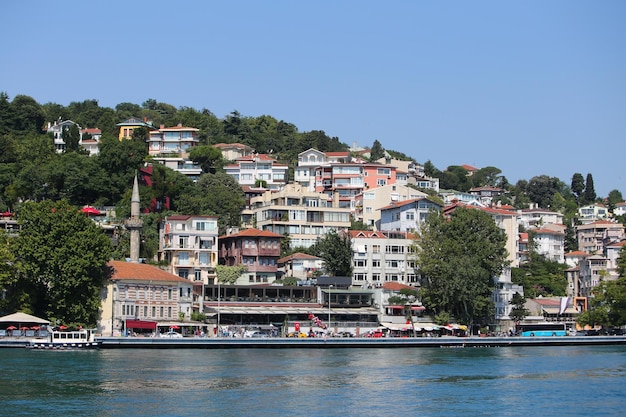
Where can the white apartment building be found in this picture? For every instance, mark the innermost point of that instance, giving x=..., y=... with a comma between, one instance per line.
x=247, y=170
x=538, y=217
x=170, y=146
x=550, y=243
x=309, y=160
x=369, y=202
x=380, y=257
x=592, y=212
x=189, y=246
x=408, y=215
x=304, y=215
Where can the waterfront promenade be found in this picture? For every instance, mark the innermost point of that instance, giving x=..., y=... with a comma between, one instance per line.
x=354, y=342
x=336, y=343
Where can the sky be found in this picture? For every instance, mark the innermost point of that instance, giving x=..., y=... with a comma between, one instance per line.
x=532, y=88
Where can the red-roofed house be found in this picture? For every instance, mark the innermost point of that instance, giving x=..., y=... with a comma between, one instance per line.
x=232, y=151
x=142, y=293
x=256, y=250
x=300, y=265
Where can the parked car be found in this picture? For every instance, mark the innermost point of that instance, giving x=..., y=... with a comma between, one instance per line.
x=173, y=335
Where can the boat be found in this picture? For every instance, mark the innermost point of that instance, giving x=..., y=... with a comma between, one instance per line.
x=66, y=340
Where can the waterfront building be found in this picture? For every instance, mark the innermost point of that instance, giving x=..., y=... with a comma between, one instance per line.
x=380, y=257
x=145, y=294
x=256, y=250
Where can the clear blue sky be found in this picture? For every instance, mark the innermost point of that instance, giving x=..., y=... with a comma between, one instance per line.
x=533, y=87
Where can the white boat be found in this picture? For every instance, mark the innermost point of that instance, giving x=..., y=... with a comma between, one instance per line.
x=66, y=340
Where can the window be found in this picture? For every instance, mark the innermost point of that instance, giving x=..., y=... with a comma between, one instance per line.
x=360, y=263
x=376, y=263
x=410, y=215
x=359, y=277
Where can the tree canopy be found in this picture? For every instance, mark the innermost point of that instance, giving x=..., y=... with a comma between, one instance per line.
x=458, y=260
x=336, y=251
x=62, y=258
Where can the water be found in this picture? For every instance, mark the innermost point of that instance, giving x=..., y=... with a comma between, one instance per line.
x=574, y=380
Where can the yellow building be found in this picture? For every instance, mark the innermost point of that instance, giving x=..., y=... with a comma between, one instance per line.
x=128, y=126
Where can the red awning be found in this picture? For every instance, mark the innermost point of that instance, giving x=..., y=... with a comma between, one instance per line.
x=141, y=324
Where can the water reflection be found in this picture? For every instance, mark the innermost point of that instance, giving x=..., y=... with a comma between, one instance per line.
x=312, y=382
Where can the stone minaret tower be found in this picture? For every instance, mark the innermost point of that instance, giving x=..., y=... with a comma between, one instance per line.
x=134, y=223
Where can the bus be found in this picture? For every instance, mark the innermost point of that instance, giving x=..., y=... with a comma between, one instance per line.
x=541, y=329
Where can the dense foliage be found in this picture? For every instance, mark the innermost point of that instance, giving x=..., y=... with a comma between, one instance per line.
x=458, y=259
x=62, y=257
x=336, y=251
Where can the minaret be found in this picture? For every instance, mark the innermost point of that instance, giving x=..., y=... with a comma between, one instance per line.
x=134, y=223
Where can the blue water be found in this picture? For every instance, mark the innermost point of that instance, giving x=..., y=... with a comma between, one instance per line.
x=520, y=381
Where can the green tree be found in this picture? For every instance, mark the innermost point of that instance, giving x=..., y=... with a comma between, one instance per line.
x=217, y=195
x=63, y=255
x=458, y=259
x=614, y=197
x=28, y=116
x=71, y=137
x=578, y=185
x=228, y=274
x=518, y=312
x=541, y=277
x=377, y=151
x=590, y=192
x=208, y=157
x=336, y=251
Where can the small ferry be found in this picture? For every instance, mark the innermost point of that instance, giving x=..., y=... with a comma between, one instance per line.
x=66, y=340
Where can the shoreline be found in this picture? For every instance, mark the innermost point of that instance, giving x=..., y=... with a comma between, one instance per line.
x=356, y=342
x=108, y=342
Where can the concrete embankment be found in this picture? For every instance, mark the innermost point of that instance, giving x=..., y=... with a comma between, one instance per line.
x=339, y=343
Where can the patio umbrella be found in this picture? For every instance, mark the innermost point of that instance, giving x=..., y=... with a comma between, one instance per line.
x=91, y=211
x=11, y=328
x=175, y=327
x=24, y=328
x=62, y=327
x=35, y=328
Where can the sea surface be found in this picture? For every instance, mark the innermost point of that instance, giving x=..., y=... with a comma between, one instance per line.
x=513, y=381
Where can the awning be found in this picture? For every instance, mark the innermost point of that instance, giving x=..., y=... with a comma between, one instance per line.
x=397, y=326
x=414, y=308
x=141, y=324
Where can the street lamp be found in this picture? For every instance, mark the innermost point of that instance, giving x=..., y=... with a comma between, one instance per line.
x=330, y=287
x=218, y=308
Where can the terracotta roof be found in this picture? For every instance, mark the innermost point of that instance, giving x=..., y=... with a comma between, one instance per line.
x=252, y=233
x=136, y=271
x=577, y=253
x=297, y=255
x=407, y=202
x=469, y=168
x=396, y=286
x=93, y=130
